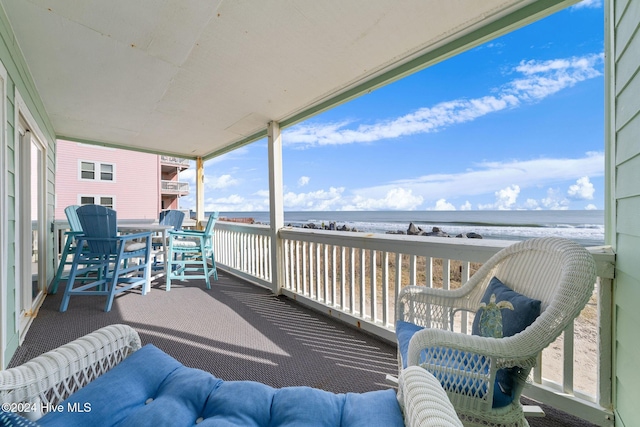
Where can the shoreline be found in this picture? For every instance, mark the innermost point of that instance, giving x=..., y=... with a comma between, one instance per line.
x=585, y=234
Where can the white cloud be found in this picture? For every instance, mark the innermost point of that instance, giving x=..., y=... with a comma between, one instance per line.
x=303, y=180
x=220, y=182
x=443, y=205
x=588, y=4
x=581, y=190
x=544, y=78
x=489, y=176
x=532, y=204
x=505, y=198
x=188, y=175
x=235, y=203
x=232, y=199
x=320, y=200
x=540, y=79
x=395, y=199
x=590, y=207
x=512, y=177
x=555, y=200
x=237, y=153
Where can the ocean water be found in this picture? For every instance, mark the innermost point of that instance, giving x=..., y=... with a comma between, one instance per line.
x=584, y=227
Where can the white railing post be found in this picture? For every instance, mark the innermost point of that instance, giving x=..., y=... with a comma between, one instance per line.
x=199, y=193
x=276, y=204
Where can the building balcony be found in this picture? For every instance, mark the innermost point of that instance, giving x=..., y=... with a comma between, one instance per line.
x=174, y=161
x=174, y=187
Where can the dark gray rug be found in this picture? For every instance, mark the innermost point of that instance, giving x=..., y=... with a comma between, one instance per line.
x=236, y=331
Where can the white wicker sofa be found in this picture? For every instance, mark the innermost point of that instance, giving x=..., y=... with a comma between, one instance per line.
x=106, y=378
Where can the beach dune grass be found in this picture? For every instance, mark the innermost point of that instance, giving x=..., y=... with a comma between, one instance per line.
x=349, y=277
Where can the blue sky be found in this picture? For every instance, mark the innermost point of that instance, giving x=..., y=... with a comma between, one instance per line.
x=517, y=123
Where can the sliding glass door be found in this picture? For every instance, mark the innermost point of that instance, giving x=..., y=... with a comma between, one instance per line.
x=31, y=221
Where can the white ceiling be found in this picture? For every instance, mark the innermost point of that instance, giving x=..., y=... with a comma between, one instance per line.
x=195, y=78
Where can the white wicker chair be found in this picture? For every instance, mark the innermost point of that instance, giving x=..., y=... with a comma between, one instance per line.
x=558, y=272
x=53, y=376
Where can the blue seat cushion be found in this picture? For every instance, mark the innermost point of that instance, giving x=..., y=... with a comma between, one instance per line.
x=454, y=360
x=152, y=388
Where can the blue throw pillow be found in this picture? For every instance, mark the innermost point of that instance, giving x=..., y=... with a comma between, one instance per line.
x=503, y=313
x=514, y=318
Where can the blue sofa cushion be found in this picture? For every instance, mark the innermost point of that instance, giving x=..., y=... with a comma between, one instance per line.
x=239, y=403
x=385, y=412
x=305, y=406
x=152, y=388
x=12, y=419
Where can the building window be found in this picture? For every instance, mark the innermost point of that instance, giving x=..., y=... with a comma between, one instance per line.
x=87, y=170
x=96, y=171
x=107, y=201
x=106, y=172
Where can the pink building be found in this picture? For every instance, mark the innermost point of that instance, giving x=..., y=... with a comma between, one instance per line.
x=137, y=185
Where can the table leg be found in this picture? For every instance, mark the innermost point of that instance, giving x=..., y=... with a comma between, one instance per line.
x=147, y=284
x=165, y=252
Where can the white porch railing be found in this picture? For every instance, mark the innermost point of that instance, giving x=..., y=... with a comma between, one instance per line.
x=174, y=187
x=356, y=276
x=244, y=249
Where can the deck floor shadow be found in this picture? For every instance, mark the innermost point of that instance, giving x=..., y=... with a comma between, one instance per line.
x=236, y=331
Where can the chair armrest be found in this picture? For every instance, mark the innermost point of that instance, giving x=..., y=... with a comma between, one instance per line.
x=431, y=307
x=424, y=401
x=118, y=238
x=134, y=236
x=454, y=298
x=51, y=377
x=185, y=233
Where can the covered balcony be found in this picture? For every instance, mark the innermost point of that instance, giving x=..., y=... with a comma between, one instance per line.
x=337, y=300
x=332, y=326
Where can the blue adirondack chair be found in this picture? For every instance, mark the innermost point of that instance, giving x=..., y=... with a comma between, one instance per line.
x=190, y=252
x=173, y=218
x=122, y=260
x=69, y=247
